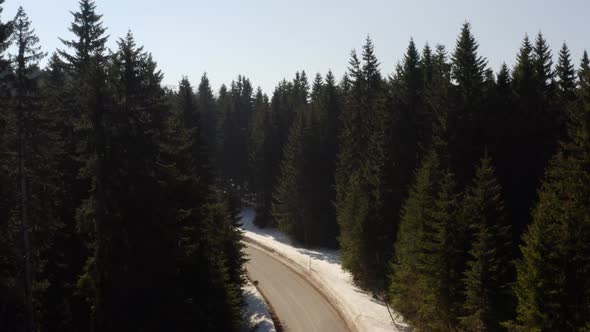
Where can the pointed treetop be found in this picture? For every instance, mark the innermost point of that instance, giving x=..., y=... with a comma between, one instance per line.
x=330, y=79
x=584, y=75
x=565, y=73
x=524, y=70
x=370, y=67
x=503, y=77
x=427, y=63
x=204, y=86
x=543, y=61
x=90, y=35
x=5, y=32
x=317, y=87
x=412, y=57
x=27, y=43
x=468, y=67
x=355, y=76
x=259, y=93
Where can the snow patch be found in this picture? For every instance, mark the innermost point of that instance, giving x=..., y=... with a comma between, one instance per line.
x=256, y=314
x=324, y=267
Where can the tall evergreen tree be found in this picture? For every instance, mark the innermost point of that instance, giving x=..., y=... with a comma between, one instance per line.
x=468, y=69
x=487, y=292
x=26, y=106
x=566, y=76
x=364, y=238
x=5, y=33
x=409, y=287
x=551, y=287
x=290, y=210
x=260, y=163
x=208, y=112
x=88, y=63
x=543, y=66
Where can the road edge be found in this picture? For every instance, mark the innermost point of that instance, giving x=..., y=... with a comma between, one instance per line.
x=316, y=284
x=271, y=310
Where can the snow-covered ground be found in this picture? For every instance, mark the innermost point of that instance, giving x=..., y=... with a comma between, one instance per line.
x=358, y=306
x=257, y=313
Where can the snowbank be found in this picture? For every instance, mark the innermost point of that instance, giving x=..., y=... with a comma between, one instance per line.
x=322, y=266
x=257, y=313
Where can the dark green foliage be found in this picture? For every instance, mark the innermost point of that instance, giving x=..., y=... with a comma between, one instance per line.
x=5, y=33
x=235, y=110
x=365, y=237
x=116, y=209
x=87, y=26
x=552, y=284
x=468, y=67
x=410, y=286
x=120, y=200
x=290, y=210
x=543, y=66
x=468, y=98
x=261, y=153
x=304, y=193
x=208, y=112
x=486, y=280
x=566, y=75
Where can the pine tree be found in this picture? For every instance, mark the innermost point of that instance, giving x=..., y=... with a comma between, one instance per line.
x=5, y=41
x=208, y=112
x=235, y=129
x=290, y=210
x=26, y=107
x=543, y=66
x=487, y=292
x=362, y=143
x=409, y=288
x=88, y=63
x=324, y=149
x=584, y=74
x=552, y=284
x=447, y=257
x=468, y=69
x=408, y=131
x=566, y=76
x=532, y=139
x=261, y=140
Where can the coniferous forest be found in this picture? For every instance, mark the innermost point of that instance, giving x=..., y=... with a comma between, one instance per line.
x=459, y=193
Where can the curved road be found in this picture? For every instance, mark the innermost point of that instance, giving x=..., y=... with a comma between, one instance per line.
x=298, y=305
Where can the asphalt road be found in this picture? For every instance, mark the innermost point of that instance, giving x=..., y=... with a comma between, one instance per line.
x=299, y=306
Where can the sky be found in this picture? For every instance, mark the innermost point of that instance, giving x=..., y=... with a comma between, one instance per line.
x=268, y=40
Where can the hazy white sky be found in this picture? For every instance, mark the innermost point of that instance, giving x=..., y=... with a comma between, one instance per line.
x=267, y=40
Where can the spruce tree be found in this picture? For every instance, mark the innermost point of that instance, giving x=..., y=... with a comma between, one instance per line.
x=26, y=107
x=362, y=143
x=409, y=288
x=88, y=63
x=208, y=112
x=468, y=69
x=289, y=205
x=5, y=33
x=487, y=292
x=584, y=73
x=566, y=75
x=552, y=284
x=261, y=140
x=532, y=131
x=324, y=147
x=543, y=66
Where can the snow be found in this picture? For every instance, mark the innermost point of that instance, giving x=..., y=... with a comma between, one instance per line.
x=358, y=307
x=257, y=313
